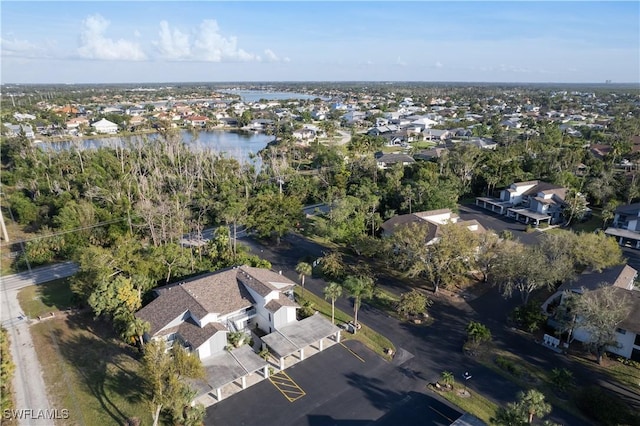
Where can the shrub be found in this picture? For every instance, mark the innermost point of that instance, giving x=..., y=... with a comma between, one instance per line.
x=561, y=378
x=603, y=407
x=529, y=317
x=478, y=333
x=508, y=365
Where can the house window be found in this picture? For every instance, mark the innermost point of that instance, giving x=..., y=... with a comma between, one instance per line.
x=269, y=317
x=621, y=331
x=637, y=341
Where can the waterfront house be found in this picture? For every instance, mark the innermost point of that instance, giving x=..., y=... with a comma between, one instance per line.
x=105, y=126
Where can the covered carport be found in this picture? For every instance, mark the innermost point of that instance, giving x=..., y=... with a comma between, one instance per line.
x=295, y=337
x=229, y=366
x=624, y=236
x=528, y=215
x=494, y=204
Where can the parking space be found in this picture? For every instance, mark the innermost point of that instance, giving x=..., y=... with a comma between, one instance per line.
x=287, y=386
x=343, y=384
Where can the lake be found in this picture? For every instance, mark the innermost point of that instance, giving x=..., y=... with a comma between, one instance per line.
x=256, y=95
x=238, y=145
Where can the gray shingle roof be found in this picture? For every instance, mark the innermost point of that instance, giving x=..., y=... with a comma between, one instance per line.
x=278, y=303
x=218, y=292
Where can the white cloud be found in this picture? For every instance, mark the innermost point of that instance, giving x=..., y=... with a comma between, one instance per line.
x=94, y=45
x=206, y=43
x=212, y=46
x=400, y=62
x=19, y=48
x=173, y=44
x=439, y=64
x=270, y=56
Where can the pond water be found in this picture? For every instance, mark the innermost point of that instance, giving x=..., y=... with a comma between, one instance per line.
x=238, y=145
x=256, y=95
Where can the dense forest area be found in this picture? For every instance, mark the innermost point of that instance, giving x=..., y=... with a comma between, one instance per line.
x=121, y=212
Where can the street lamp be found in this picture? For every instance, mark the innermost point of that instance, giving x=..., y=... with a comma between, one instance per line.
x=466, y=376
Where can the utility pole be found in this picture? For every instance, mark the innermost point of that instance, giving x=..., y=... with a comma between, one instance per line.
x=5, y=236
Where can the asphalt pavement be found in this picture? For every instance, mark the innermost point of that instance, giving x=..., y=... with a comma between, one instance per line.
x=339, y=388
x=28, y=383
x=434, y=348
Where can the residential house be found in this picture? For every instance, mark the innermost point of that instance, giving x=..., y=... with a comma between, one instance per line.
x=483, y=143
x=196, y=120
x=437, y=135
x=531, y=202
x=76, y=122
x=199, y=312
x=626, y=225
x=435, y=218
x=105, y=126
x=388, y=160
x=305, y=134
x=623, y=278
x=16, y=129
x=23, y=117
x=353, y=117
x=429, y=154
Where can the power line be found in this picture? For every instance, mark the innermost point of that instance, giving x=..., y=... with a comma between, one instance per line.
x=68, y=231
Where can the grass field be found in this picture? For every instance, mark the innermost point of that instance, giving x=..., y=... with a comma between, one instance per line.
x=474, y=403
x=89, y=372
x=39, y=300
x=86, y=367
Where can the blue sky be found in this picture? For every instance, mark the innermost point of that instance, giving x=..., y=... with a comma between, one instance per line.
x=158, y=41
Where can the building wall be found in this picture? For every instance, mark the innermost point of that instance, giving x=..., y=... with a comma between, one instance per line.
x=283, y=316
x=625, y=341
x=177, y=321
x=214, y=345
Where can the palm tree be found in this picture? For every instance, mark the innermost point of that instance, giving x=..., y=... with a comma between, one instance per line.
x=303, y=269
x=136, y=329
x=533, y=404
x=360, y=287
x=447, y=378
x=332, y=291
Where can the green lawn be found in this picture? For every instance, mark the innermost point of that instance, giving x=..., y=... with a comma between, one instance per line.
x=373, y=340
x=37, y=300
x=89, y=372
x=590, y=225
x=474, y=404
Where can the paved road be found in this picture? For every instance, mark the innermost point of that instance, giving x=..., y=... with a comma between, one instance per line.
x=28, y=384
x=431, y=349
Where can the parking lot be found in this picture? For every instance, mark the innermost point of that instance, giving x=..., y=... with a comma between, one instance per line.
x=343, y=385
x=498, y=223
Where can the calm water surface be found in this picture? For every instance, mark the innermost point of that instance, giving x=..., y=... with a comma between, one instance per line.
x=238, y=145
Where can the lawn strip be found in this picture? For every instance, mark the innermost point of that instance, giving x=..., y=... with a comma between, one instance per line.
x=474, y=404
x=89, y=372
x=40, y=300
x=373, y=340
